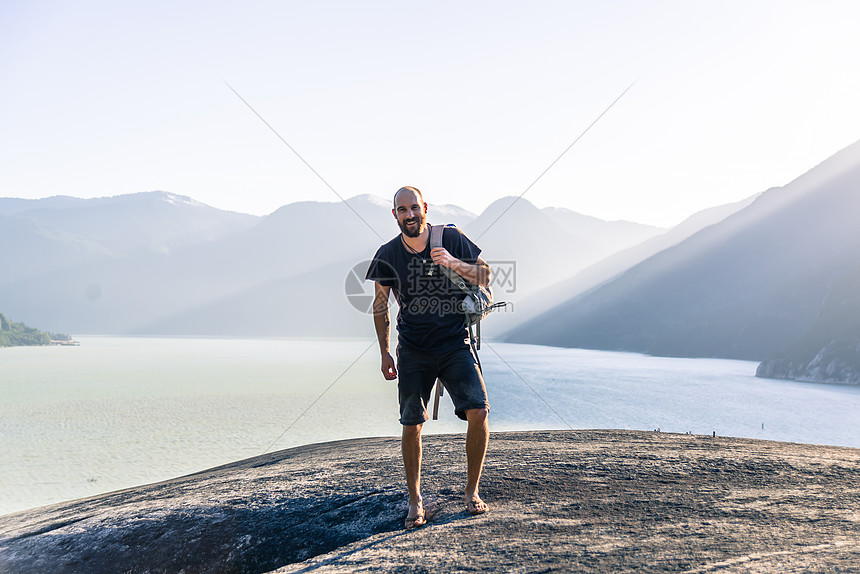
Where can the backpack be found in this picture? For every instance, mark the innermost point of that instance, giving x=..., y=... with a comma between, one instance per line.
x=477, y=304
x=479, y=299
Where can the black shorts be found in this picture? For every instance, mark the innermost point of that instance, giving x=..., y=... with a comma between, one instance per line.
x=458, y=370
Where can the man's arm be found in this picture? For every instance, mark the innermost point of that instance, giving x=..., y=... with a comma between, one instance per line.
x=382, y=322
x=477, y=274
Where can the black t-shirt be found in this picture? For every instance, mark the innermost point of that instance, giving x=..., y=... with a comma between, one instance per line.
x=431, y=316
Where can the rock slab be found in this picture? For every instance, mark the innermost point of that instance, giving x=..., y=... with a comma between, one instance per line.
x=561, y=501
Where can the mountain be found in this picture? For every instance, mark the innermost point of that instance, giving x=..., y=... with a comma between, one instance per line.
x=512, y=231
x=311, y=304
x=543, y=300
x=611, y=236
x=31, y=250
x=309, y=300
x=747, y=287
x=155, y=283
x=122, y=295
x=303, y=295
x=159, y=263
x=62, y=232
x=154, y=221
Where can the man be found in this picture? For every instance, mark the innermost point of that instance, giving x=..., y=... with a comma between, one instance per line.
x=433, y=339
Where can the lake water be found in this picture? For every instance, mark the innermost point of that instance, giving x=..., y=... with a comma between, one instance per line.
x=120, y=412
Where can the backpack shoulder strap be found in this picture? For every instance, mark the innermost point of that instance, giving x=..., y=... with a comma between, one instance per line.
x=436, y=235
x=474, y=340
x=436, y=241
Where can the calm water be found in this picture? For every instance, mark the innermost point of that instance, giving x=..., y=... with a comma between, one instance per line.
x=119, y=412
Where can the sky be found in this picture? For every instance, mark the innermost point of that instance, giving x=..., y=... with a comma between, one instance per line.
x=468, y=101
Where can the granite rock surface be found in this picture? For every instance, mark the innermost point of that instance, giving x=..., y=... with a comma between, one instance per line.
x=583, y=501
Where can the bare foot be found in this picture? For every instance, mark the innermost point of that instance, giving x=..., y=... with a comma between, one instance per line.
x=475, y=506
x=415, y=517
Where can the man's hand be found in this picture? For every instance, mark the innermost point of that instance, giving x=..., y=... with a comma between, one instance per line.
x=441, y=256
x=477, y=274
x=389, y=368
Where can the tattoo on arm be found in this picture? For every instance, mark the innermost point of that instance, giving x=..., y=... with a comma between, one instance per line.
x=381, y=317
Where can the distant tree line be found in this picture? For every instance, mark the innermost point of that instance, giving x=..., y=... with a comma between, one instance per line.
x=17, y=334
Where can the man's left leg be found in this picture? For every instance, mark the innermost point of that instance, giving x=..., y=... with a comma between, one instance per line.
x=477, y=438
x=465, y=383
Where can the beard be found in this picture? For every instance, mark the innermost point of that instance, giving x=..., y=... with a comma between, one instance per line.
x=415, y=230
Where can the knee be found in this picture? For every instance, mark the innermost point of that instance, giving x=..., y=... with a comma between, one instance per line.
x=412, y=432
x=478, y=416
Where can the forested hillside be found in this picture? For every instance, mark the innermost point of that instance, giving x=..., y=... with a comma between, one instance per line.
x=19, y=334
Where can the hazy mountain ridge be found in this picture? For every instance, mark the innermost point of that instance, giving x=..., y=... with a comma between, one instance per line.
x=129, y=294
x=36, y=250
x=610, y=267
x=747, y=287
x=159, y=263
x=612, y=236
x=61, y=232
x=310, y=301
x=154, y=221
x=514, y=230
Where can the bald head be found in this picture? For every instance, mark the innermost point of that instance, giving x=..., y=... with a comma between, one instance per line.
x=410, y=190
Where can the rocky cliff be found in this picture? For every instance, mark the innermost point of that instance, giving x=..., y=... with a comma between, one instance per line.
x=584, y=501
x=837, y=362
x=829, y=352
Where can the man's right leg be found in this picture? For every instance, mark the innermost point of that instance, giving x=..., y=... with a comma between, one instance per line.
x=416, y=375
x=410, y=446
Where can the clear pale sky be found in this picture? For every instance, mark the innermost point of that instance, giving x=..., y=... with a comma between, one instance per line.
x=469, y=101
